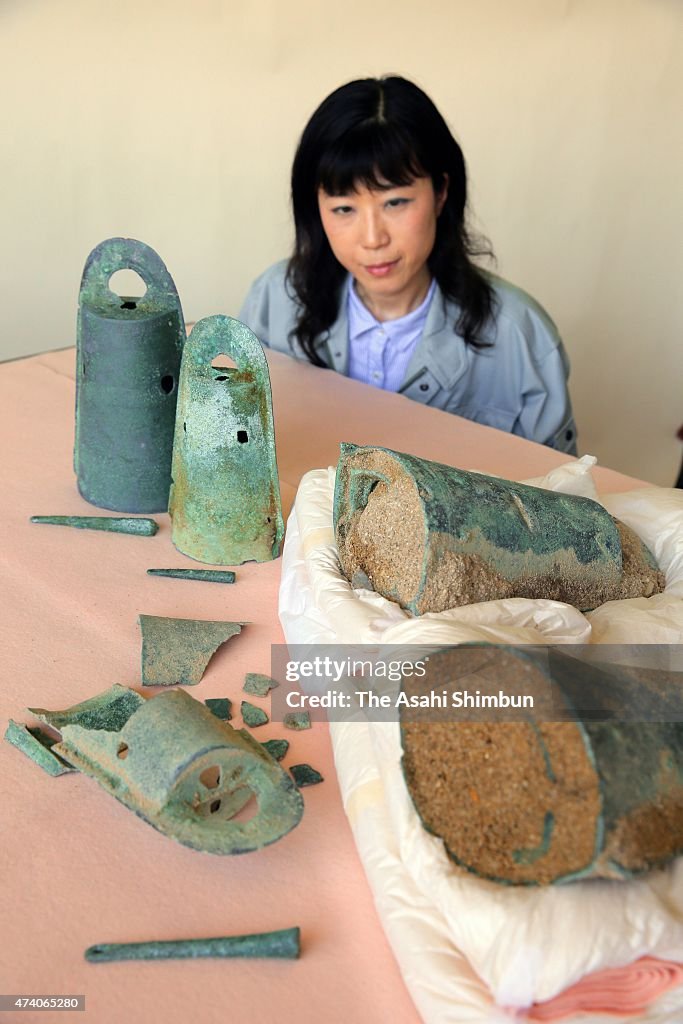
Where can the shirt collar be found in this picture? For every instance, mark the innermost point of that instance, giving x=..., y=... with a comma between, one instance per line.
x=362, y=319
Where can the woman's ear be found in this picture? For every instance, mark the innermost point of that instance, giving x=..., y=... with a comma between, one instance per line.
x=442, y=195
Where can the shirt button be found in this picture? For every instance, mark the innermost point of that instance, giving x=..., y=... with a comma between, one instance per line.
x=424, y=387
x=376, y=376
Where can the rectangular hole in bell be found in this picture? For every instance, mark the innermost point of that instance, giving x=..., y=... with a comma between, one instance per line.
x=242, y=436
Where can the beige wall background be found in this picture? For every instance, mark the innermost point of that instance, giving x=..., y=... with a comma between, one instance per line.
x=176, y=122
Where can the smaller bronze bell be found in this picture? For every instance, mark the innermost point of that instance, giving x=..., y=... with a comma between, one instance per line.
x=225, y=494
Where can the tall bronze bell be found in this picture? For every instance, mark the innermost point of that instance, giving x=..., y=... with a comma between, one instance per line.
x=128, y=364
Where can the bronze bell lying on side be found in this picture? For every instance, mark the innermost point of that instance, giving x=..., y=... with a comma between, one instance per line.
x=432, y=537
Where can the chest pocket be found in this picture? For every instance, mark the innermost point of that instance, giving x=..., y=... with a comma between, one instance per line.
x=422, y=388
x=489, y=416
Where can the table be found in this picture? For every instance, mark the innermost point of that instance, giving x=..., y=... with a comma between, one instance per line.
x=77, y=868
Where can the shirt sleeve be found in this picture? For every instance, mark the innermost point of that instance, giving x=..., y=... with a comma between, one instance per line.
x=546, y=415
x=255, y=310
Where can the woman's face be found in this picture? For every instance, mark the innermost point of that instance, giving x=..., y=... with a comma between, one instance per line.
x=383, y=237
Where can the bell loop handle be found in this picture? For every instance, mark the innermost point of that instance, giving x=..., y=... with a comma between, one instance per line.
x=116, y=254
x=223, y=335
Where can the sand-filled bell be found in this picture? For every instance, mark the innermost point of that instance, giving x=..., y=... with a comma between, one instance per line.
x=541, y=767
x=432, y=537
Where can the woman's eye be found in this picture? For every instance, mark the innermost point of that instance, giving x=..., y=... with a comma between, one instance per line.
x=397, y=201
x=341, y=209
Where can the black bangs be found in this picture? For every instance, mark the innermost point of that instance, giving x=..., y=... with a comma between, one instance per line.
x=374, y=154
x=379, y=133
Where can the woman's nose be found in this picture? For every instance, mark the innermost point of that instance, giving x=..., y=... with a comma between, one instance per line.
x=374, y=234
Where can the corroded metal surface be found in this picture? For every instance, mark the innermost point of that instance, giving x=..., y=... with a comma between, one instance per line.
x=277, y=748
x=127, y=367
x=297, y=720
x=221, y=707
x=259, y=685
x=252, y=716
x=109, y=711
x=284, y=945
x=177, y=651
x=225, y=495
x=179, y=768
x=567, y=790
x=433, y=537
x=304, y=775
x=38, y=746
x=200, y=575
x=111, y=524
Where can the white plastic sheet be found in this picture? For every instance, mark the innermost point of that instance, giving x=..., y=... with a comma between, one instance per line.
x=468, y=947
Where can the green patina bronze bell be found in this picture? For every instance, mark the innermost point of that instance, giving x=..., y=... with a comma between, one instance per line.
x=585, y=783
x=432, y=537
x=127, y=368
x=177, y=766
x=225, y=494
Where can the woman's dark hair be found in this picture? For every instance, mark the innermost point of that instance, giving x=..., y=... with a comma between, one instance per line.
x=370, y=132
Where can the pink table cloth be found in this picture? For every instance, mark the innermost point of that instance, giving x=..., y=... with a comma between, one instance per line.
x=77, y=868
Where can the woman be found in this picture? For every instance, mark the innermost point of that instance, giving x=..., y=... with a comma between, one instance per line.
x=382, y=287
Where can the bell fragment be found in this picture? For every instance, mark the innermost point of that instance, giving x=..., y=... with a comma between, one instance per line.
x=127, y=367
x=179, y=768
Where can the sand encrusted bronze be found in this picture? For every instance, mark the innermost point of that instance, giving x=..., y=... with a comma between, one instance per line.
x=181, y=769
x=432, y=537
x=536, y=801
x=259, y=685
x=253, y=716
x=177, y=651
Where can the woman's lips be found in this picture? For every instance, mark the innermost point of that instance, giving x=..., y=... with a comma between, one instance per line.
x=381, y=269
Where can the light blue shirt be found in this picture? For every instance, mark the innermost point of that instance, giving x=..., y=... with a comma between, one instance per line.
x=379, y=353
x=519, y=385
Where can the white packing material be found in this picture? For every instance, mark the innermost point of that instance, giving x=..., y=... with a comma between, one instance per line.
x=468, y=947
